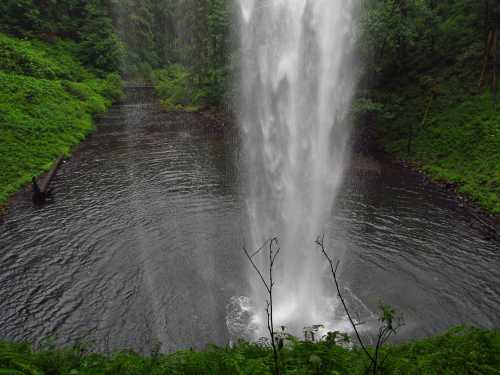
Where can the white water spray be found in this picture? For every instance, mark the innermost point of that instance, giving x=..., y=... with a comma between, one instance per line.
x=297, y=83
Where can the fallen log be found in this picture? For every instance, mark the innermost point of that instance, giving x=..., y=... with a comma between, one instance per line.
x=44, y=185
x=41, y=192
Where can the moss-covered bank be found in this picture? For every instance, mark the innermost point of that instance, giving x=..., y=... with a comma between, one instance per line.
x=460, y=351
x=47, y=100
x=450, y=131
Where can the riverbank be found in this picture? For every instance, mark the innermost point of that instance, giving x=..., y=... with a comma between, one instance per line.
x=451, y=134
x=47, y=103
x=368, y=142
x=459, y=351
x=456, y=145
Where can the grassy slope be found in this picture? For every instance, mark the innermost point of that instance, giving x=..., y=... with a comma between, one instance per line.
x=460, y=351
x=459, y=141
x=47, y=100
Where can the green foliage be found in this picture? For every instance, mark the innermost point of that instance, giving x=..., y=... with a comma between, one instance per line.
x=457, y=143
x=100, y=47
x=180, y=88
x=46, y=105
x=459, y=351
x=402, y=35
x=134, y=37
x=87, y=23
x=34, y=58
x=198, y=34
x=134, y=22
x=423, y=61
x=19, y=16
x=39, y=17
x=175, y=86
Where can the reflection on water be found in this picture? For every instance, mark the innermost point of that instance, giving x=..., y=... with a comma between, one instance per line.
x=143, y=243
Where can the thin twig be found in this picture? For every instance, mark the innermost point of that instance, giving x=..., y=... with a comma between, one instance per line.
x=321, y=243
x=269, y=284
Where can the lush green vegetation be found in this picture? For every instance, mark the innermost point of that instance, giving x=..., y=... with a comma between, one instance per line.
x=175, y=86
x=86, y=22
x=60, y=63
x=47, y=99
x=457, y=143
x=137, y=37
x=200, y=60
x=423, y=62
x=460, y=351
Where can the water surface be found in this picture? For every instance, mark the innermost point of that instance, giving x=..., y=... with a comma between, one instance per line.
x=143, y=243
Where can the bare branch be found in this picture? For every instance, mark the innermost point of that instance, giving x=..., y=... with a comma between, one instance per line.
x=269, y=284
x=259, y=250
x=256, y=269
x=333, y=268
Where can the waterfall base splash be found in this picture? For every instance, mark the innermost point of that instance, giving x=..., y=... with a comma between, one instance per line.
x=245, y=321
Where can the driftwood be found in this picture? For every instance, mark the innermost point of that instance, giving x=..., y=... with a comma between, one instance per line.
x=44, y=185
x=41, y=192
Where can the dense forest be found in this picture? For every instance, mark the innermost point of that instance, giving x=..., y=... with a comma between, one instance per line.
x=430, y=89
x=134, y=37
x=427, y=82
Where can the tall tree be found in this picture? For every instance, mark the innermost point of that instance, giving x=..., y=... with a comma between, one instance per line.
x=134, y=20
x=100, y=46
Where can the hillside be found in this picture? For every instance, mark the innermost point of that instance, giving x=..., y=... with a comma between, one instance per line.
x=456, y=143
x=47, y=100
x=429, y=90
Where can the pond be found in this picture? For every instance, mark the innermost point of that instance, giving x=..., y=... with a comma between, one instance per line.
x=143, y=242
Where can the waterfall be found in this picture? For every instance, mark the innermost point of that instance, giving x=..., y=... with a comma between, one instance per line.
x=297, y=82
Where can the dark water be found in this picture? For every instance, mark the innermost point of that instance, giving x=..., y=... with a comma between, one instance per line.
x=410, y=245
x=142, y=244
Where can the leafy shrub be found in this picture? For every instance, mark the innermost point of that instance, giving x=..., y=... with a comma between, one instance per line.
x=460, y=351
x=37, y=59
x=182, y=88
x=458, y=142
x=100, y=47
x=113, y=87
x=174, y=85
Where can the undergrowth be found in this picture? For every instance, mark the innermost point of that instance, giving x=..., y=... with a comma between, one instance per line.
x=459, y=351
x=177, y=90
x=451, y=132
x=47, y=100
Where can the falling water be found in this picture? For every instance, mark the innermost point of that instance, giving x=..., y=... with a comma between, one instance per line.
x=297, y=84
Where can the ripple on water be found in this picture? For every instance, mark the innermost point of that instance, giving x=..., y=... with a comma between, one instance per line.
x=143, y=243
